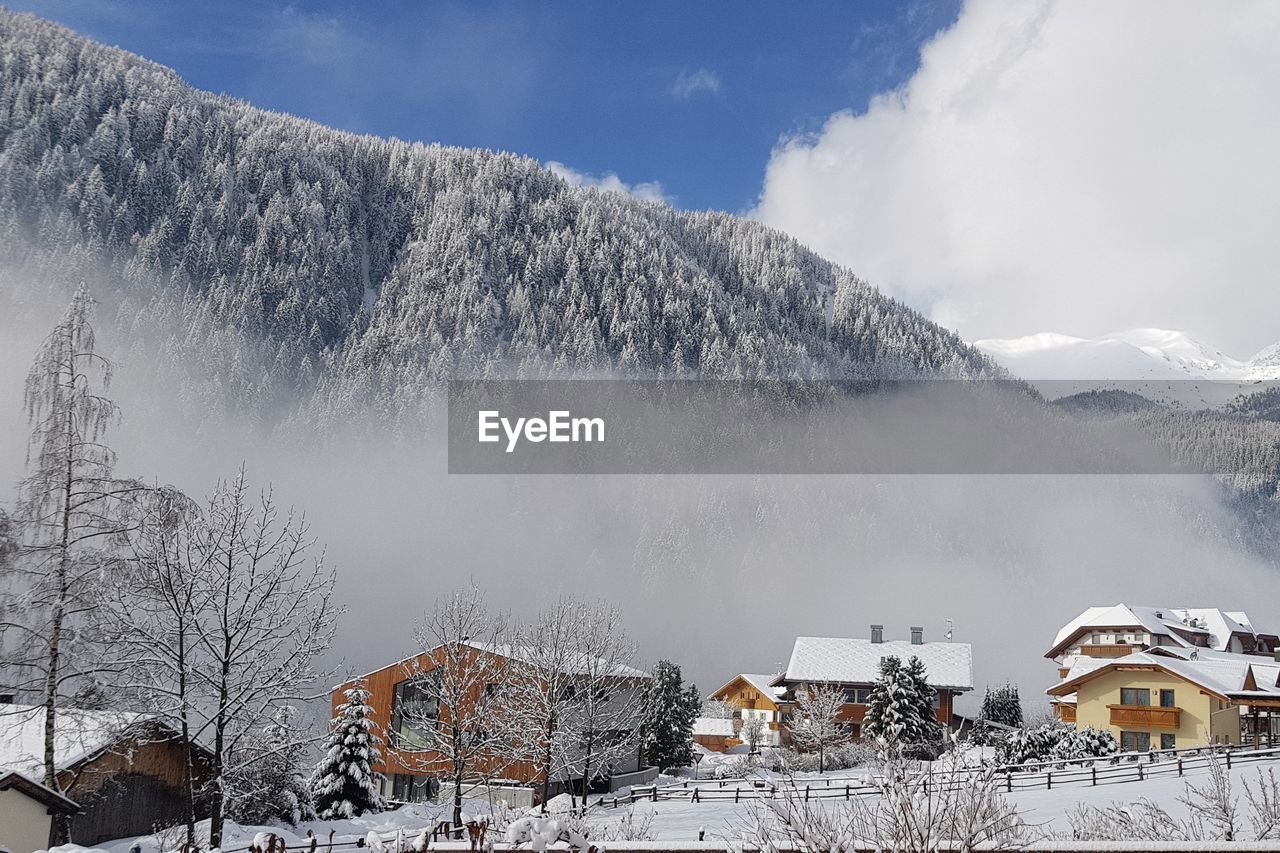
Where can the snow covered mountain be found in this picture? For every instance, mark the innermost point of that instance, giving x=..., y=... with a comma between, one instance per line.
x=1137, y=354
x=296, y=263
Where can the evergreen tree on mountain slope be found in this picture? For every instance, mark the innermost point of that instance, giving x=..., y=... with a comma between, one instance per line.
x=354, y=265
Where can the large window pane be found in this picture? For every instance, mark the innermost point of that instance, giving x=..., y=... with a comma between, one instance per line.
x=414, y=715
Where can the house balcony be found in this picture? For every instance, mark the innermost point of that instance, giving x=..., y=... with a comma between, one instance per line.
x=1146, y=716
x=1066, y=713
x=1110, y=650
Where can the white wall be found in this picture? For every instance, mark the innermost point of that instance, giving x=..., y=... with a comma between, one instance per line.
x=24, y=822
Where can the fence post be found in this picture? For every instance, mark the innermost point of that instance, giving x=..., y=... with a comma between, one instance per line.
x=1140, y=776
x=846, y=792
x=1179, y=765
x=655, y=793
x=1048, y=778
x=1228, y=758
x=806, y=793
x=1008, y=781
x=737, y=792
x=1093, y=774
x=695, y=795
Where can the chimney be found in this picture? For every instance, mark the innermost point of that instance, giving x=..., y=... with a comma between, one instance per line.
x=917, y=636
x=877, y=633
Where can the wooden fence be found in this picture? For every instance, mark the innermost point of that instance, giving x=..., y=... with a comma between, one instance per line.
x=1111, y=770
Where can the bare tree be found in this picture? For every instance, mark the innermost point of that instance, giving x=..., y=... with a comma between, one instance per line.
x=153, y=621
x=72, y=512
x=265, y=615
x=816, y=725
x=606, y=705
x=752, y=731
x=455, y=710
x=546, y=694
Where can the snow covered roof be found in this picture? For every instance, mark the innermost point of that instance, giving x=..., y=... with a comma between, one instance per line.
x=1215, y=625
x=713, y=727
x=856, y=661
x=80, y=734
x=1221, y=673
x=508, y=651
x=42, y=794
x=762, y=683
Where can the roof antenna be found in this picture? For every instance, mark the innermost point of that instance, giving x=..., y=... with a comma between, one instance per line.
x=950, y=630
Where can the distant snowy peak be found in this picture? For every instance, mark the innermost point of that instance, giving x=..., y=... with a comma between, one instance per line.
x=1137, y=354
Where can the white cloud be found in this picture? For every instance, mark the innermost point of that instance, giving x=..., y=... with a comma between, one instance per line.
x=1078, y=166
x=690, y=83
x=609, y=182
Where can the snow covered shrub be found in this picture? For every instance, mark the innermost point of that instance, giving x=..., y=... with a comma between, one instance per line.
x=1086, y=743
x=1054, y=741
x=615, y=826
x=269, y=785
x=344, y=783
x=953, y=811
x=840, y=757
x=735, y=767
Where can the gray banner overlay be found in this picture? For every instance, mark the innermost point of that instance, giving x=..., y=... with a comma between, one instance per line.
x=872, y=427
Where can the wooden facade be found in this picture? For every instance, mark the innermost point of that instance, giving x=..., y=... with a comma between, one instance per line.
x=132, y=786
x=427, y=768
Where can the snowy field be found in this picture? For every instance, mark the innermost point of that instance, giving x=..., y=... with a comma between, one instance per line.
x=682, y=820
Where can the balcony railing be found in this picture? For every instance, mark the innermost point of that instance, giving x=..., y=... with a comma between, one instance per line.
x=1110, y=650
x=1066, y=713
x=1146, y=716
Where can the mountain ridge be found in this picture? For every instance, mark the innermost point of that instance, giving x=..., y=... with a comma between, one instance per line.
x=1135, y=354
x=293, y=260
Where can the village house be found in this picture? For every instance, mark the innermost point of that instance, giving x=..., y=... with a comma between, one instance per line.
x=126, y=771
x=414, y=773
x=750, y=697
x=854, y=665
x=1119, y=630
x=1168, y=677
x=1173, y=698
x=26, y=812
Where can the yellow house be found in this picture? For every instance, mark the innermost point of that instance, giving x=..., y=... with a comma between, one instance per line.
x=1171, y=699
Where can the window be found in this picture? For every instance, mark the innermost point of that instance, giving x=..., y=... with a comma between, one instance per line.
x=1135, y=741
x=413, y=715
x=413, y=789
x=1168, y=741
x=1135, y=696
x=857, y=695
x=1166, y=701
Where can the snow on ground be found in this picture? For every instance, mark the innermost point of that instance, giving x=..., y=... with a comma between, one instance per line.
x=682, y=820
x=410, y=819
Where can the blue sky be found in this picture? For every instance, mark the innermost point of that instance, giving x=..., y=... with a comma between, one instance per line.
x=691, y=95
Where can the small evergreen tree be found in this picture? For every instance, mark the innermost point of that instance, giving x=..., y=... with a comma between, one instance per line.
x=669, y=712
x=344, y=783
x=1002, y=706
x=900, y=710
